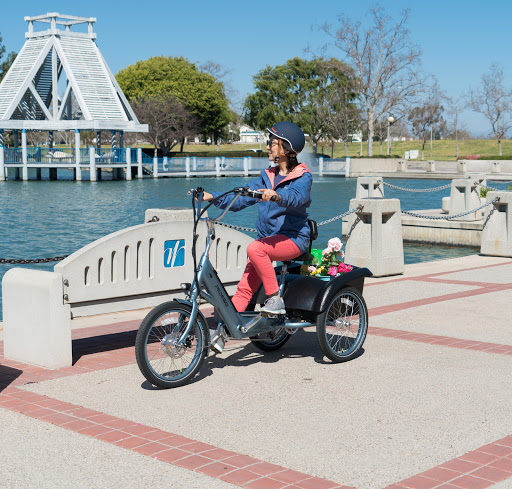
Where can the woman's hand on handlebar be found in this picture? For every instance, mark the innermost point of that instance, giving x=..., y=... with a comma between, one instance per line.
x=269, y=194
x=207, y=196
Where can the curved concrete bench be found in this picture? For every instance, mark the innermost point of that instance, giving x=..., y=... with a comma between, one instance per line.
x=141, y=266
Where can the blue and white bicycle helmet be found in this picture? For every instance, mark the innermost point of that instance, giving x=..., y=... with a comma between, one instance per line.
x=289, y=132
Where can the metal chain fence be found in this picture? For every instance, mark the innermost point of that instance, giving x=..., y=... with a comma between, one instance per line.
x=435, y=189
x=30, y=261
x=455, y=216
x=251, y=230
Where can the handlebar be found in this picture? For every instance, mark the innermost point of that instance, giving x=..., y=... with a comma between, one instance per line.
x=247, y=192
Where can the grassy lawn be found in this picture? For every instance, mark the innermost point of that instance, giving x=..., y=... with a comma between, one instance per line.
x=442, y=150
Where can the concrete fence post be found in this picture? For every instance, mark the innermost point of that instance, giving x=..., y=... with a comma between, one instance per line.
x=431, y=166
x=347, y=167
x=464, y=196
x=37, y=323
x=374, y=237
x=194, y=163
x=165, y=163
x=140, y=174
x=246, y=167
x=155, y=167
x=187, y=166
x=462, y=166
x=320, y=166
x=402, y=165
x=249, y=162
x=92, y=164
x=128, y=163
x=2, y=164
x=217, y=166
x=368, y=187
x=497, y=231
x=496, y=167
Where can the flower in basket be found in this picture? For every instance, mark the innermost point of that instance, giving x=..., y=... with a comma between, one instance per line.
x=330, y=262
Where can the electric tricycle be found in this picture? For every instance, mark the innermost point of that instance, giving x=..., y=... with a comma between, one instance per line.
x=174, y=339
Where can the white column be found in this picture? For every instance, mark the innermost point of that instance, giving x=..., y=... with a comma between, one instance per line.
x=24, y=153
x=128, y=163
x=347, y=167
x=217, y=166
x=246, y=168
x=194, y=163
x=187, y=166
x=92, y=164
x=155, y=167
x=139, y=162
x=165, y=164
x=2, y=156
x=77, y=155
x=320, y=166
x=249, y=162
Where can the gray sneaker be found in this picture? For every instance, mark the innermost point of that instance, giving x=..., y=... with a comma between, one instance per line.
x=274, y=305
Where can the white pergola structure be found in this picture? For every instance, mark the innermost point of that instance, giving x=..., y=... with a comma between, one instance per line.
x=61, y=82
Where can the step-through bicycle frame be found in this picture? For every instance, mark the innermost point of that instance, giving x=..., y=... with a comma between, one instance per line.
x=207, y=285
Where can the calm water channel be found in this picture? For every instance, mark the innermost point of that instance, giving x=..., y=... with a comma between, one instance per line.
x=51, y=218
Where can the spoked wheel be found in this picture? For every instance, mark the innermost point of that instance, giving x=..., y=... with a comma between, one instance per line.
x=273, y=340
x=342, y=327
x=160, y=358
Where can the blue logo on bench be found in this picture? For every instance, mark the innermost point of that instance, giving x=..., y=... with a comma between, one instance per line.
x=174, y=253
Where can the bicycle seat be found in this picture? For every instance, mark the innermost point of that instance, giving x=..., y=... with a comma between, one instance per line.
x=313, y=234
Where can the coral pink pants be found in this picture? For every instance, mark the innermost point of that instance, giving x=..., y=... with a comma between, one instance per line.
x=261, y=254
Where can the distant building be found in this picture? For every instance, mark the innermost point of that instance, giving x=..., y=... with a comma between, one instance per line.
x=249, y=135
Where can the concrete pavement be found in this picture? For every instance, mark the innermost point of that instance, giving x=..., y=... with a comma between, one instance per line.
x=427, y=404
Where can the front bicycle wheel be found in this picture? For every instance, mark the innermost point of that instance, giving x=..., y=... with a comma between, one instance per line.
x=160, y=358
x=341, y=329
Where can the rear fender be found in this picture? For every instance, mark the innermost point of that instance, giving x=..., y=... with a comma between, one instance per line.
x=355, y=279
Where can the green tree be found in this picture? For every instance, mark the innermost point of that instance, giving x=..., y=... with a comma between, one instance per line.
x=6, y=63
x=199, y=91
x=298, y=91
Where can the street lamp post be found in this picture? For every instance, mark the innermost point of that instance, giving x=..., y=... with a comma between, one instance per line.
x=391, y=120
x=431, y=140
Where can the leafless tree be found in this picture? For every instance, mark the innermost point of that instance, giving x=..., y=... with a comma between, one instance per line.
x=494, y=101
x=170, y=122
x=424, y=117
x=340, y=111
x=455, y=107
x=37, y=138
x=384, y=60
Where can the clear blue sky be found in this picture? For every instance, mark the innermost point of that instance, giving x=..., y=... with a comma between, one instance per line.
x=459, y=39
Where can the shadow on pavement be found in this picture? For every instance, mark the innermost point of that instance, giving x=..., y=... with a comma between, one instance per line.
x=242, y=354
x=102, y=343
x=8, y=375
